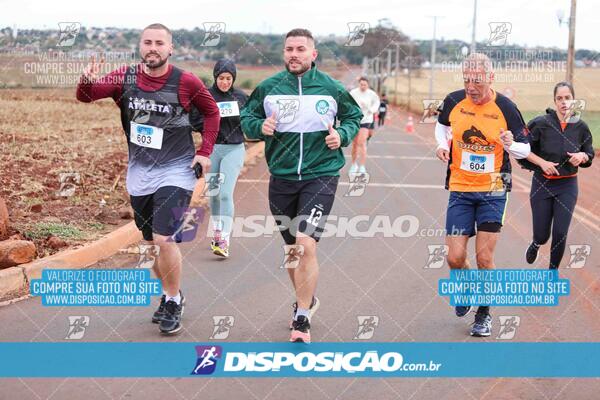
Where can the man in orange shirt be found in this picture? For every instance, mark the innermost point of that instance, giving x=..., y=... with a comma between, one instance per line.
x=476, y=131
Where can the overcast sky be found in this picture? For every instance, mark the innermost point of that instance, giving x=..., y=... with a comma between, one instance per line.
x=534, y=22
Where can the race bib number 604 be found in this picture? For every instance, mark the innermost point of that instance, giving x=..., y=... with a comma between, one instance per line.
x=478, y=163
x=146, y=135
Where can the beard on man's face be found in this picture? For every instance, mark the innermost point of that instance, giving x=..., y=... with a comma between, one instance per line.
x=298, y=70
x=154, y=60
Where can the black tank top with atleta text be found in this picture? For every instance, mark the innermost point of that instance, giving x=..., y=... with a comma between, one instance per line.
x=159, y=136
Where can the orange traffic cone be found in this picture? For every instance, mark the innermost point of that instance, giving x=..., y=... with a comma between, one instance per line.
x=410, y=126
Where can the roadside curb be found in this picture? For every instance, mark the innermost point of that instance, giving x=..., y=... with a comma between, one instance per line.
x=14, y=281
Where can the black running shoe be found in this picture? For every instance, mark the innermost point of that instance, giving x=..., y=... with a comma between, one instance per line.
x=300, y=330
x=532, y=253
x=314, y=306
x=160, y=311
x=461, y=311
x=294, y=309
x=170, y=324
x=482, y=326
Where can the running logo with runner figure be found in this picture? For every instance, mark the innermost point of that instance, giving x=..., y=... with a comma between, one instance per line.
x=287, y=110
x=499, y=181
x=357, y=31
x=148, y=255
x=77, y=326
x=358, y=184
x=366, y=326
x=68, y=183
x=499, y=32
x=214, y=180
x=188, y=218
x=508, y=326
x=68, y=33
x=576, y=108
x=223, y=324
x=437, y=256
x=207, y=359
x=291, y=256
x=431, y=110
x=579, y=255
x=212, y=33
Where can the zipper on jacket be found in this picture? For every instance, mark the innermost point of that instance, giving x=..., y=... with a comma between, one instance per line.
x=562, y=134
x=301, y=133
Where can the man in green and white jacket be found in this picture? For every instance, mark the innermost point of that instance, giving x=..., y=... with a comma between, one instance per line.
x=295, y=112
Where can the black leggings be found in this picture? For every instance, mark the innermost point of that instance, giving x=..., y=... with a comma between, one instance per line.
x=552, y=204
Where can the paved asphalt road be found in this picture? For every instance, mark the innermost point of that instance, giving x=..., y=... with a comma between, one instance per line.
x=382, y=277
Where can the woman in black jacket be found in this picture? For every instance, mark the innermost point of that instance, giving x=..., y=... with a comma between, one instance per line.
x=227, y=158
x=560, y=144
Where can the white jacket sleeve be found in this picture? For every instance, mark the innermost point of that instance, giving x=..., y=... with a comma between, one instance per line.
x=518, y=150
x=375, y=103
x=442, y=134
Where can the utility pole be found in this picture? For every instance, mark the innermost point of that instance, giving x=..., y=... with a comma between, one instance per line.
x=571, y=48
x=410, y=55
x=388, y=71
x=397, y=73
x=432, y=56
x=377, y=71
x=473, y=42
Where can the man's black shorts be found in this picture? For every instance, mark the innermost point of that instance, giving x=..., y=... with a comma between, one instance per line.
x=302, y=206
x=155, y=212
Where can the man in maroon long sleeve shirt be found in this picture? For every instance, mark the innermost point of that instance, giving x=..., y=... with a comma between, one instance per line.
x=155, y=99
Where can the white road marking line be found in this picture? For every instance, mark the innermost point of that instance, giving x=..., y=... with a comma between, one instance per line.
x=398, y=157
x=399, y=142
x=398, y=185
x=372, y=184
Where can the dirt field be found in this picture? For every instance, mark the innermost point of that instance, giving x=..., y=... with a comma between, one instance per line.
x=44, y=133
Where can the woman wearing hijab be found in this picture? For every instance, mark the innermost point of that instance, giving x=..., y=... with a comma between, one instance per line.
x=227, y=158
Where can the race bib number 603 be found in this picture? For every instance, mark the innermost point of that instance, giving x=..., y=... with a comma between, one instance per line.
x=146, y=135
